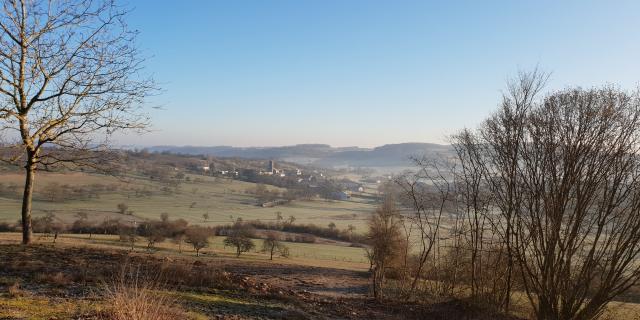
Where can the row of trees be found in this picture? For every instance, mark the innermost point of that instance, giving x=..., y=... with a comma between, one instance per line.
x=239, y=235
x=542, y=199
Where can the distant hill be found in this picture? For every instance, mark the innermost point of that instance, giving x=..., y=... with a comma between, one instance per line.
x=389, y=155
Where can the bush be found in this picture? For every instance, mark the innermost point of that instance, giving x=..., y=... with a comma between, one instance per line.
x=122, y=208
x=7, y=227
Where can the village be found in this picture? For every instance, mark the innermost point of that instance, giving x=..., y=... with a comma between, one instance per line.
x=314, y=180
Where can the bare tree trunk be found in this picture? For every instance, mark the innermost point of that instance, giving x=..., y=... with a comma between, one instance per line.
x=416, y=277
x=507, y=298
x=30, y=170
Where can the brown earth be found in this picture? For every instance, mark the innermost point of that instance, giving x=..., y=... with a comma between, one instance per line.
x=243, y=289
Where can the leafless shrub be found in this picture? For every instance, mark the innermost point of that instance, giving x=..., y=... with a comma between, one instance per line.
x=14, y=290
x=386, y=241
x=427, y=193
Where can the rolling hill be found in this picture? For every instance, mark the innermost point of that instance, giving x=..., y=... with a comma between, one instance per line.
x=390, y=155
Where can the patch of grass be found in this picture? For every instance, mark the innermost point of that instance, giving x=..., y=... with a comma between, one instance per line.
x=226, y=304
x=57, y=279
x=209, y=298
x=14, y=290
x=37, y=308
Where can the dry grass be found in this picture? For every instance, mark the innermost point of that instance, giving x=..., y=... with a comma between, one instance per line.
x=58, y=278
x=133, y=298
x=14, y=290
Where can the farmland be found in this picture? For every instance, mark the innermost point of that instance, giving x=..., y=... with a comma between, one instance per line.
x=222, y=200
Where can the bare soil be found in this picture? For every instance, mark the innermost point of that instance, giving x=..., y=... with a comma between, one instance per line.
x=243, y=289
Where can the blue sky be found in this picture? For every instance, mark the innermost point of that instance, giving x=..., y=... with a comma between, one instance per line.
x=366, y=73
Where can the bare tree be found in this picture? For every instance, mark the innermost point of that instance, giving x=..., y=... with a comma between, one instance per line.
x=473, y=229
x=271, y=244
x=154, y=232
x=427, y=193
x=70, y=76
x=563, y=172
x=387, y=243
x=577, y=235
x=240, y=235
x=501, y=136
x=122, y=208
x=198, y=237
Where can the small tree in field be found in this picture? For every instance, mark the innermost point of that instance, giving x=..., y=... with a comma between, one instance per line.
x=271, y=244
x=240, y=237
x=122, y=208
x=198, y=237
x=83, y=225
x=386, y=241
x=154, y=232
x=176, y=230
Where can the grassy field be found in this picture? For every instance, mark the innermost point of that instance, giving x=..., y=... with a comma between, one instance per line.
x=222, y=200
x=307, y=254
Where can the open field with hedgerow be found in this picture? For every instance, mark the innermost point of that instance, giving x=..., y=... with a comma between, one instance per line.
x=222, y=200
x=339, y=255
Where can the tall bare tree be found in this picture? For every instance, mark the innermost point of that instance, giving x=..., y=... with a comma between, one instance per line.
x=564, y=176
x=70, y=76
x=427, y=193
x=499, y=142
x=474, y=201
x=577, y=234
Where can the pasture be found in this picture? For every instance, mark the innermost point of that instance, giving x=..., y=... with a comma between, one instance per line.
x=306, y=254
x=221, y=200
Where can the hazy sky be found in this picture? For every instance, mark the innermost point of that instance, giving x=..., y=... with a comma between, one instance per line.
x=348, y=72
